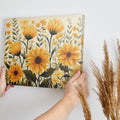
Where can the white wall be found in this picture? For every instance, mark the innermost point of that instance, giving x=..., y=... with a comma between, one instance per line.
x=102, y=23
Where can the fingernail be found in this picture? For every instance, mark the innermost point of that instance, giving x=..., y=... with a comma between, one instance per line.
x=3, y=69
x=78, y=72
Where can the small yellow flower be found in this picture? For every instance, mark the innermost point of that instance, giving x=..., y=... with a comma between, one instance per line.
x=55, y=80
x=59, y=36
x=33, y=22
x=14, y=60
x=74, y=28
x=37, y=24
x=8, y=25
x=8, y=32
x=75, y=35
x=9, y=42
x=43, y=22
x=58, y=74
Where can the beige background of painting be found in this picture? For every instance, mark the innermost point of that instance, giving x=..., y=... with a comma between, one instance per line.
x=102, y=22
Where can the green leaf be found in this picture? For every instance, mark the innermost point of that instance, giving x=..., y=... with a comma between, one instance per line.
x=7, y=65
x=53, y=52
x=38, y=44
x=45, y=83
x=29, y=75
x=24, y=56
x=64, y=68
x=49, y=72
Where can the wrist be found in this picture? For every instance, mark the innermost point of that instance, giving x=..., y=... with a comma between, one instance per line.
x=72, y=101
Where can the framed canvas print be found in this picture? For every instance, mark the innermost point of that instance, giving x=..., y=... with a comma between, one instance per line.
x=43, y=51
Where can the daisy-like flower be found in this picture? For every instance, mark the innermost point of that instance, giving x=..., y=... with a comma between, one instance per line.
x=15, y=73
x=38, y=60
x=15, y=48
x=55, y=26
x=68, y=54
x=8, y=25
x=29, y=32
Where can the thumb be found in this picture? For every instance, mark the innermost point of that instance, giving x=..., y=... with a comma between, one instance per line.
x=3, y=72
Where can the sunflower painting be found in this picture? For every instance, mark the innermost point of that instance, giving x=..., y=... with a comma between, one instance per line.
x=43, y=51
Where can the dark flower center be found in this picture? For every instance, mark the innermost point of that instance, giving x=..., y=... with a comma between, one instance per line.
x=53, y=32
x=28, y=37
x=37, y=60
x=15, y=72
x=68, y=54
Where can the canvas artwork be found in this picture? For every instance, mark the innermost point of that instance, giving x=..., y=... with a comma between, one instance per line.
x=43, y=51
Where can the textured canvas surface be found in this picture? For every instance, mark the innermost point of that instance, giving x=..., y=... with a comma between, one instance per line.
x=43, y=51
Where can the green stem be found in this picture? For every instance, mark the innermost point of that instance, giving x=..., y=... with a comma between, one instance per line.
x=50, y=82
x=27, y=47
x=20, y=60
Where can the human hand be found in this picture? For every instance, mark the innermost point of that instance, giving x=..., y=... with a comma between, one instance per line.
x=71, y=93
x=3, y=85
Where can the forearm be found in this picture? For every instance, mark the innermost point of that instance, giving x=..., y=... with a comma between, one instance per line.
x=59, y=111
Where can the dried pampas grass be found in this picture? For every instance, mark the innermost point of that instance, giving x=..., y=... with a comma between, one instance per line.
x=108, y=84
x=86, y=110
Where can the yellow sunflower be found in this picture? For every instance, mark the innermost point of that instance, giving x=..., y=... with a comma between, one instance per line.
x=15, y=48
x=24, y=23
x=29, y=32
x=8, y=32
x=38, y=60
x=8, y=25
x=15, y=73
x=43, y=22
x=75, y=35
x=74, y=28
x=68, y=54
x=55, y=26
